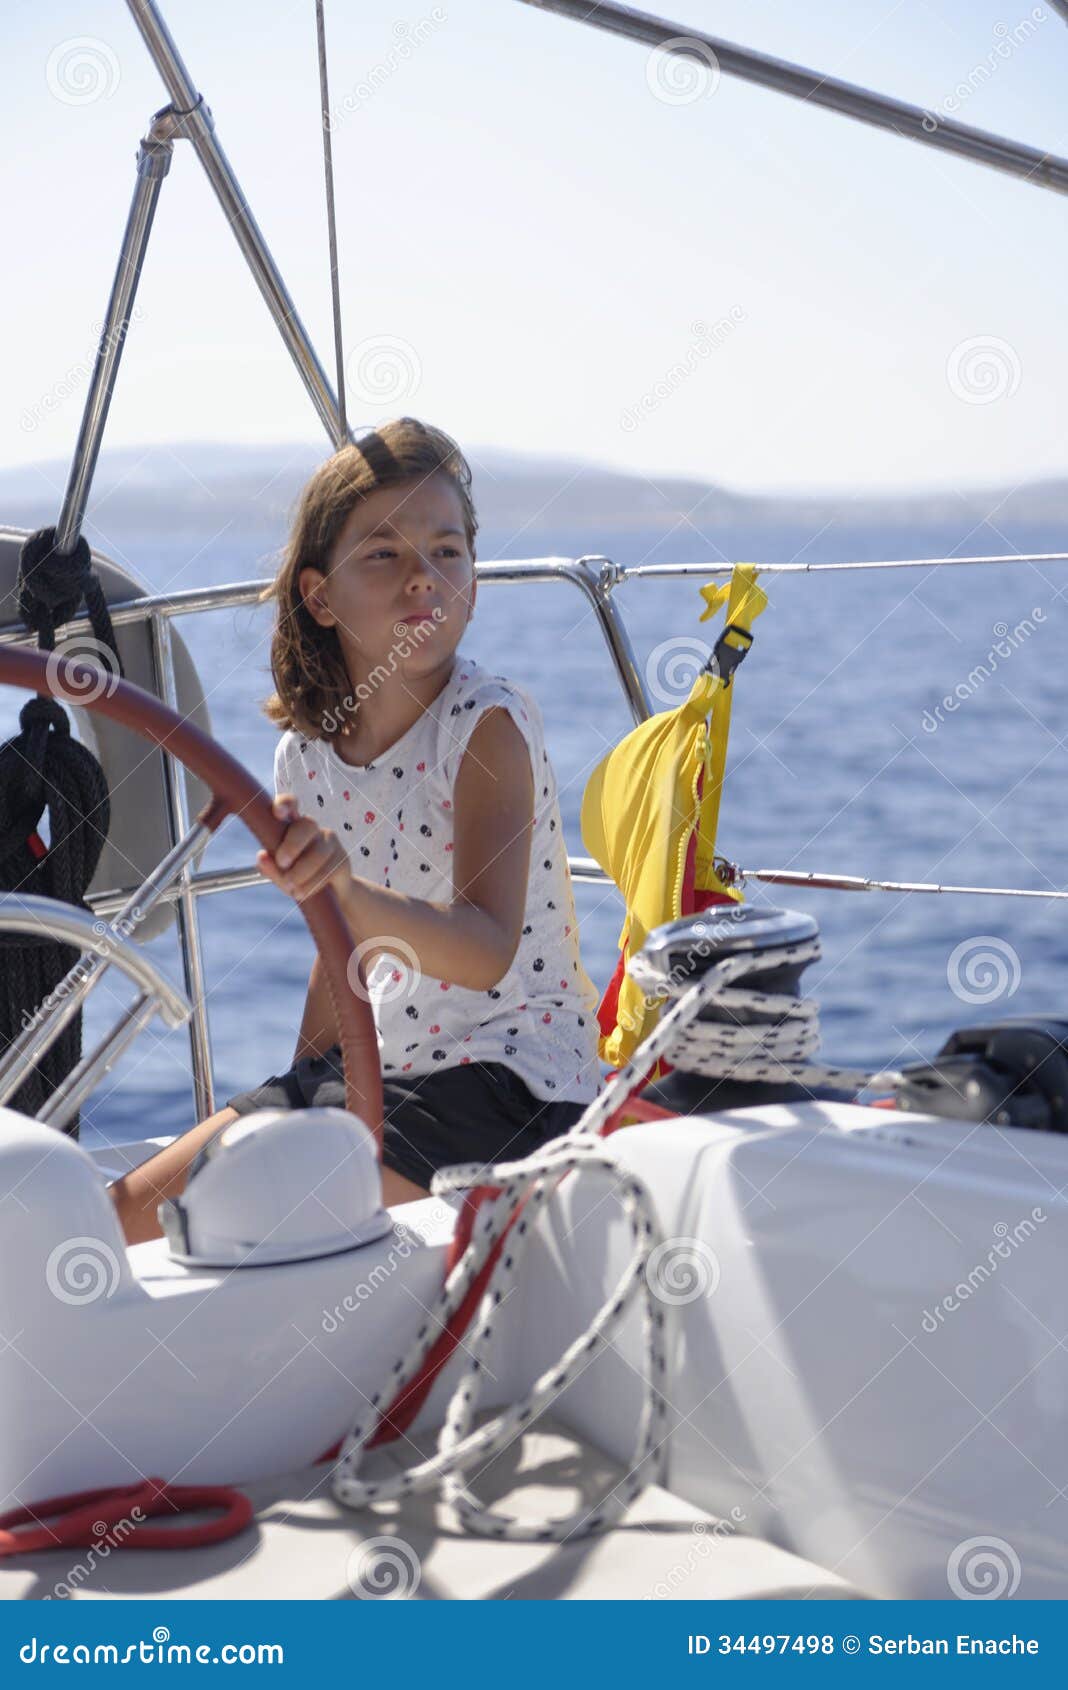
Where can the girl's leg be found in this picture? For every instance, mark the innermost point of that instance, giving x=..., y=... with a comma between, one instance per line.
x=397, y=1189
x=136, y=1194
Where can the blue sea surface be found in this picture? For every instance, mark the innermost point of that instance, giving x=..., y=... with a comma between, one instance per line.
x=844, y=757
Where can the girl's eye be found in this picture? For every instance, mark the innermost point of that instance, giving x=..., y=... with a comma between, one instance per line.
x=387, y=551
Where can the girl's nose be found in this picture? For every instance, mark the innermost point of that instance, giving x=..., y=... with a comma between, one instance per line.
x=421, y=575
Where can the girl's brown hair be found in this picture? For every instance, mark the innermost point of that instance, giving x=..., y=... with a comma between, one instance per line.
x=311, y=682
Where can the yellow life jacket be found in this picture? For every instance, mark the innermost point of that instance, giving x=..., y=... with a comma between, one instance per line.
x=656, y=794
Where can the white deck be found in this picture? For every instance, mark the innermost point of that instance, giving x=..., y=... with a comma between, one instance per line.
x=304, y=1546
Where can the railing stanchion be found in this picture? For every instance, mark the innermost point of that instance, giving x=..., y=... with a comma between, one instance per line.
x=186, y=901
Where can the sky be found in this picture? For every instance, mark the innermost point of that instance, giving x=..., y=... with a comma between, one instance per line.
x=548, y=244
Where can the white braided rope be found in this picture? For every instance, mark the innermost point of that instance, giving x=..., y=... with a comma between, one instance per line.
x=458, y=1446
x=776, y=1052
x=769, y=1051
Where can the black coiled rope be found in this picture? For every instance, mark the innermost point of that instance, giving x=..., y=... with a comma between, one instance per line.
x=45, y=767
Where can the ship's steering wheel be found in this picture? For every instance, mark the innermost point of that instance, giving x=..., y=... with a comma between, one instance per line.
x=233, y=792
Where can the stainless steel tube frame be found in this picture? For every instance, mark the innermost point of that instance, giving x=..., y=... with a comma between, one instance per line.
x=153, y=163
x=1043, y=170
x=199, y=129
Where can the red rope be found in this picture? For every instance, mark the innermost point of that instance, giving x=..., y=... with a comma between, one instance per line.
x=75, y=1521
x=396, y=1419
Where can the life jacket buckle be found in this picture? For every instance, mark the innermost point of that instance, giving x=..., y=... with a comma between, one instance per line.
x=726, y=655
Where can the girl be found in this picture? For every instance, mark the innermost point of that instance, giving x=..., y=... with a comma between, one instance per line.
x=418, y=786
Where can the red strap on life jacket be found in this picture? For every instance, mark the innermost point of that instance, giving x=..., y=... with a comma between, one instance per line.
x=691, y=902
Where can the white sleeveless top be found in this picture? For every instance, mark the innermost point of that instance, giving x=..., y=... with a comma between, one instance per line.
x=394, y=818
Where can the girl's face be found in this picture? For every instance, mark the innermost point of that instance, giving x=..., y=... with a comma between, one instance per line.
x=401, y=587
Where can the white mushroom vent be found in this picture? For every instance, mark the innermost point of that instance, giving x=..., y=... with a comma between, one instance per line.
x=279, y=1186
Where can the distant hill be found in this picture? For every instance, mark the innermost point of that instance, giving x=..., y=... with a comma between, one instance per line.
x=531, y=506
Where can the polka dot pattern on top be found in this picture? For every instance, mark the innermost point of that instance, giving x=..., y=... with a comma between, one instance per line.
x=395, y=818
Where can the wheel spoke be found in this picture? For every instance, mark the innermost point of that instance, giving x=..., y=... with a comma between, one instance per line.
x=154, y=888
x=102, y=946
x=64, y=1102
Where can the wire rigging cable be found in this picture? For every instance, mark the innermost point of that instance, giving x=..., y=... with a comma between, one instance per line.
x=328, y=167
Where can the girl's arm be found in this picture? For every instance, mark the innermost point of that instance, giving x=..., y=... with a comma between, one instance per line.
x=472, y=938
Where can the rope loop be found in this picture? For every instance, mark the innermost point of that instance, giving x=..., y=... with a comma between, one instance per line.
x=44, y=767
x=526, y=1185
x=51, y=587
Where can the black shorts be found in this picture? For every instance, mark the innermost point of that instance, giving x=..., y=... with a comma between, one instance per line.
x=478, y=1112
